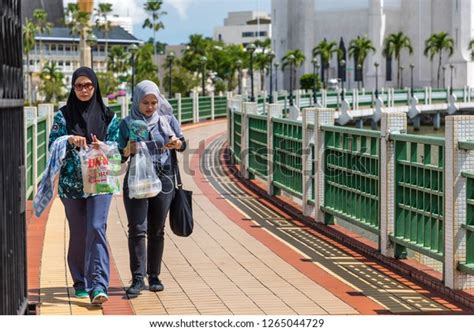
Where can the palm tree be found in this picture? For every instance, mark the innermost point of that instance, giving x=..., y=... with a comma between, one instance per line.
x=294, y=59
x=145, y=67
x=197, y=47
x=103, y=23
x=394, y=45
x=471, y=48
x=29, y=32
x=325, y=49
x=118, y=61
x=153, y=7
x=77, y=21
x=40, y=18
x=262, y=62
x=436, y=44
x=359, y=49
x=52, y=85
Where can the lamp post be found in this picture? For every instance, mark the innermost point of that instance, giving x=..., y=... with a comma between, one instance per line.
x=359, y=75
x=251, y=49
x=276, y=65
x=170, y=58
x=452, y=72
x=401, y=75
x=412, y=66
x=239, y=68
x=271, y=56
x=291, y=60
x=315, y=63
x=203, y=61
x=133, y=51
x=376, y=65
x=444, y=77
x=343, y=78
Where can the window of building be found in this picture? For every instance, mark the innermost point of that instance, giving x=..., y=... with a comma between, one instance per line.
x=67, y=48
x=60, y=47
x=388, y=69
x=53, y=47
x=263, y=33
x=248, y=34
x=220, y=37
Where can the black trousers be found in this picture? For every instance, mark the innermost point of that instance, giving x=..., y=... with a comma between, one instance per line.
x=146, y=226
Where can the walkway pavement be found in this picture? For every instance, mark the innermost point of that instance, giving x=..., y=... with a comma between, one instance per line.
x=230, y=265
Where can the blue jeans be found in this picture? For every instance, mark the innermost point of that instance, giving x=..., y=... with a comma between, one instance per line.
x=88, y=255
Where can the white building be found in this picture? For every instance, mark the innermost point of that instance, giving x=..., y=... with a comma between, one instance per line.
x=125, y=22
x=300, y=24
x=244, y=27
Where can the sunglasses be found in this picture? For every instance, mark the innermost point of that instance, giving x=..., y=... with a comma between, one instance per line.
x=80, y=87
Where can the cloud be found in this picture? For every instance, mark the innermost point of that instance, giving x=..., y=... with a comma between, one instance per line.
x=132, y=8
x=181, y=7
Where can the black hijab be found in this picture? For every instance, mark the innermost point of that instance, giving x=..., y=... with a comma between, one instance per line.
x=89, y=117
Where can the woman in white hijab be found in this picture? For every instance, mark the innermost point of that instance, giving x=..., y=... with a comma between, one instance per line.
x=146, y=217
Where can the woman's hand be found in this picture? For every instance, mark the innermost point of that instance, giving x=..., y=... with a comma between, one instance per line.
x=174, y=143
x=96, y=142
x=130, y=149
x=77, y=141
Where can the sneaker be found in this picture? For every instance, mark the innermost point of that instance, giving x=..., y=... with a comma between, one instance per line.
x=137, y=286
x=81, y=293
x=155, y=285
x=99, y=297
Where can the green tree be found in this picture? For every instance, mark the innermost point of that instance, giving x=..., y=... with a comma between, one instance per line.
x=294, y=58
x=52, y=85
x=40, y=18
x=471, y=47
x=119, y=62
x=103, y=24
x=359, y=49
x=394, y=45
x=436, y=44
x=183, y=81
x=325, y=49
x=145, y=68
x=108, y=82
x=153, y=8
x=29, y=32
x=308, y=81
x=77, y=21
x=197, y=47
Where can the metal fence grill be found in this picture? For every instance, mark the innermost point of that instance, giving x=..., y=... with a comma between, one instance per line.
x=186, y=110
x=258, y=147
x=220, y=106
x=13, y=285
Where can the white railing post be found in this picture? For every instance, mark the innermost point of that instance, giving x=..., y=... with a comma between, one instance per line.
x=179, y=105
x=195, y=97
x=458, y=128
x=47, y=110
x=308, y=139
x=390, y=123
x=213, y=112
x=274, y=111
x=248, y=108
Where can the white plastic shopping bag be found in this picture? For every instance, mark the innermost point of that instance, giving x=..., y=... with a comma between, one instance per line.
x=143, y=182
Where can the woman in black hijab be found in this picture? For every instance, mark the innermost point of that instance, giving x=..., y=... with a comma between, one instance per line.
x=86, y=121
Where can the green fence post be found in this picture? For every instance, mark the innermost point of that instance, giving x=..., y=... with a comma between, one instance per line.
x=274, y=111
x=324, y=116
x=32, y=116
x=248, y=108
x=457, y=161
x=390, y=122
x=307, y=160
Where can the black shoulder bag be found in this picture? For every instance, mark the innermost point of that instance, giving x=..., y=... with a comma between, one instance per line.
x=181, y=209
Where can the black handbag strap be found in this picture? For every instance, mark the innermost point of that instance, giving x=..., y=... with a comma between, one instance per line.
x=174, y=161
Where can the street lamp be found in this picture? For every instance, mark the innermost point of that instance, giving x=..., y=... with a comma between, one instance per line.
x=291, y=59
x=251, y=49
x=203, y=61
x=343, y=78
x=401, y=75
x=133, y=51
x=376, y=65
x=412, y=66
x=444, y=76
x=276, y=65
x=170, y=58
x=315, y=63
x=239, y=68
x=271, y=56
x=452, y=72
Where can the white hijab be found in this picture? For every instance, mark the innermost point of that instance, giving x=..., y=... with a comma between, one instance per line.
x=144, y=88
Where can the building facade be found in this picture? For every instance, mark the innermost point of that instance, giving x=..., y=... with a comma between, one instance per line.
x=300, y=24
x=244, y=27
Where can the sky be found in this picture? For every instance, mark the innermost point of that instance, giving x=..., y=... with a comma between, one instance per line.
x=186, y=17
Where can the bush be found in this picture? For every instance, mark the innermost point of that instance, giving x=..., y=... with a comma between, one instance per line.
x=307, y=81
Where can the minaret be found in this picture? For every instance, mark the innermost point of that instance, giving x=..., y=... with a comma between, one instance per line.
x=280, y=28
x=376, y=34
x=462, y=34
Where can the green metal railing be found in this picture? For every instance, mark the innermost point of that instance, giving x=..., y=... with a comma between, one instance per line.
x=287, y=156
x=352, y=167
x=220, y=106
x=419, y=191
x=41, y=147
x=174, y=103
x=258, y=147
x=204, y=108
x=117, y=109
x=186, y=110
x=29, y=159
x=237, y=127
x=469, y=227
